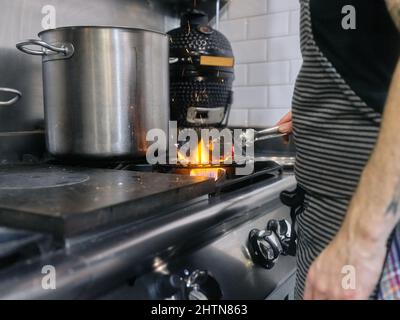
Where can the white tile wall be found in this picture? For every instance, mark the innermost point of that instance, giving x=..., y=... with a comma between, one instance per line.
x=269, y=73
x=241, y=74
x=235, y=30
x=295, y=66
x=283, y=48
x=251, y=97
x=265, y=39
x=280, y=96
x=269, y=25
x=247, y=8
x=250, y=51
x=281, y=5
x=261, y=118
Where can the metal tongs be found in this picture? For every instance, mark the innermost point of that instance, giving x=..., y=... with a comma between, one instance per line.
x=251, y=136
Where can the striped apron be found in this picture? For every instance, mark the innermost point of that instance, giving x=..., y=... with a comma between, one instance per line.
x=335, y=133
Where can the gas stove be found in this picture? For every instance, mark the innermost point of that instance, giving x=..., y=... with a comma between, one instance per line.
x=134, y=231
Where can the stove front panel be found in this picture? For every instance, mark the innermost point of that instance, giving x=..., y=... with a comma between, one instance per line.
x=231, y=272
x=229, y=262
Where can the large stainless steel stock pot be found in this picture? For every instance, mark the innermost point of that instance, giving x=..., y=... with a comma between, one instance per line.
x=104, y=88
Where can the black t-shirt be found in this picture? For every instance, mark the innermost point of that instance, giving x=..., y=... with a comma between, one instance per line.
x=365, y=56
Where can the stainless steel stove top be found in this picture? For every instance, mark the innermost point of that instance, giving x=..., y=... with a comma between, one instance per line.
x=145, y=233
x=66, y=201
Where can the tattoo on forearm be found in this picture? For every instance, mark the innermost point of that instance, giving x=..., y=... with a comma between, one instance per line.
x=394, y=10
x=393, y=208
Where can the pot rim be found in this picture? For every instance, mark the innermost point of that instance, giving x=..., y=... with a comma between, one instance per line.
x=132, y=29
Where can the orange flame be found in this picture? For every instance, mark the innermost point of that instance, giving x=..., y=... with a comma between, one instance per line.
x=211, y=173
x=202, y=158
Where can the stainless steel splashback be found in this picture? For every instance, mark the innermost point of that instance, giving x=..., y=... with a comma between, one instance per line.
x=23, y=19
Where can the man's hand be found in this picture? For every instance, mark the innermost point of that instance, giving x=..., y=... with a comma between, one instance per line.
x=286, y=124
x=346, y=270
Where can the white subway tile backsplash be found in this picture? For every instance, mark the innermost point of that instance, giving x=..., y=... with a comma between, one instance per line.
x=250, y=51
x=264, y=118
x=282, y=5
x=247, y=8
x=269, y=73
x=294, y=22
x=280, y=96
x=266, y=43
x=240, y=75
x=239, y=118
x=234, y=29
x=250, y=97
x=284, y=48
x=295, y=66
x=269, y=25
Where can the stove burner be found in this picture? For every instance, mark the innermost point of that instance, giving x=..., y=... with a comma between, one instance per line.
x=227, y=180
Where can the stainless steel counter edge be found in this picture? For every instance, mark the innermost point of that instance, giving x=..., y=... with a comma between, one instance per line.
x=93, y=267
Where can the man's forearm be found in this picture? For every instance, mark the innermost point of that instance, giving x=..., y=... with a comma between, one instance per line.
x=375, y=208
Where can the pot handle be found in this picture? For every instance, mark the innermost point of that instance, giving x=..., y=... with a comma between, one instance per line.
x=47, y=48
x=10, y=102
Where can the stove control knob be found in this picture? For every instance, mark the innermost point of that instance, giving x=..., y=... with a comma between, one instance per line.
x=200, y=285
x=283, y=229
x=264, y=247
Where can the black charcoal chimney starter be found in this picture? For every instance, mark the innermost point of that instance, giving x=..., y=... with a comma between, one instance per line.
x=201, y=73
